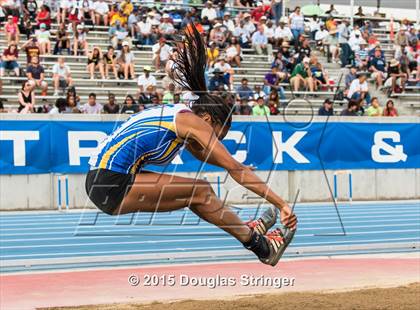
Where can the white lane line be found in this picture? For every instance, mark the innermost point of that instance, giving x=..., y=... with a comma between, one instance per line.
x=164, y=250
x=183, y=240
x=317, y=220
x=198, y=230
x=70, y=230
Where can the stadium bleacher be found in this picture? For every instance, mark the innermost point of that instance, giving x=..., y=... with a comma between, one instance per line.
x=253, y=67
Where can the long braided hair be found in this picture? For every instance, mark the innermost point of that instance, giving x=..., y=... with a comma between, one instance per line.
x=189, y=73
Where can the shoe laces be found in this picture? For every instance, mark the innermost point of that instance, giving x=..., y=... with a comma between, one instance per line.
x=275, y=234
x=253, y=224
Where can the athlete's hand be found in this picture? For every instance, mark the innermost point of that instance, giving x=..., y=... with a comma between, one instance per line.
x=288, y=219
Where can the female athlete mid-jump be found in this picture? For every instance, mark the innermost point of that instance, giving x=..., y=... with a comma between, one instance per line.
x=117, y=183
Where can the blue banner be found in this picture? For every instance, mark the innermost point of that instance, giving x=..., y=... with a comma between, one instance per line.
x=29, y=147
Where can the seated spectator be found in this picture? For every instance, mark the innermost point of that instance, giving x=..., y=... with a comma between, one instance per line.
x=302, y=76
x=30, y=8
x=332, y=11
x=166, y=28
x=26, y=98
x=227, y=70
x=272, y=81
x=62, y=41
x=125, y=60
x=212, y=54
x=44, y=17
x=218, y=81
x=304, y=49
x=326, y=109
x=351, y=110
x=87, y=11
x=145, y=35
x=36, y=76
x=80, y=41
x=111, y=107
x=359, y=88
x=244, y=91
x=374, y=109
x=218, y=36
x=331, y=42
x=11, y=30
x=228, y=22
x=169, y=94
x=390, y=110
x=101, y=9
x=95, y=62
x=243, y=108
x=110, y=63
x=362, y=56
x=377, y=65
x=243, y=34
x=161, y=52
x=273, y=106
x=63, y=10
x=282, y=33
x=146, y=79
x=319, y=74
x=43, y=36
x=260, y=43
x=351, y=76
x=321, y=35
x=91, y=107
x=132, y=21
x=59, y=107
x=396, y=77
x=9, y=60
x=258, y=92
x=71, y=105
x=260, y=109
x=61, y=76
x=233, y=53
x=129, y=107
x=269, y=31
x=120, y=18
x=209, y=11
x=149, y=97
x=117, y=34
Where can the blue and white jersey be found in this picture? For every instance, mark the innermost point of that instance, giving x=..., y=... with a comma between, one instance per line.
x=148, y=137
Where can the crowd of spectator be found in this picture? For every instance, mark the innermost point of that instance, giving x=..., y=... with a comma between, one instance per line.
x=292, y=44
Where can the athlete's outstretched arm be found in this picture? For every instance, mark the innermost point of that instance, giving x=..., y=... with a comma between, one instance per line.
x=201, y=134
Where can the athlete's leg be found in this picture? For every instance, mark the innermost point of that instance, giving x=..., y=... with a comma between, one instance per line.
x=152, y=192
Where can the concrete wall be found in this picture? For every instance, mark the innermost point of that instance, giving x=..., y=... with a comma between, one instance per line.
x=40, y=191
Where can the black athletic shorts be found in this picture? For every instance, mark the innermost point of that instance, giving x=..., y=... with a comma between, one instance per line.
x=107, y=188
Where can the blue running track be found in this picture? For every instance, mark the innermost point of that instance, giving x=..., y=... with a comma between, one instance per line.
x=53, y=240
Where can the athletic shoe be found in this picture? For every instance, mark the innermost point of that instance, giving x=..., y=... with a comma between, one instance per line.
x=265, y=222
x=278, y=240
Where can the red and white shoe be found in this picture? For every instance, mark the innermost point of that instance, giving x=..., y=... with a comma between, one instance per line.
x=278, y=240
x=265, y=222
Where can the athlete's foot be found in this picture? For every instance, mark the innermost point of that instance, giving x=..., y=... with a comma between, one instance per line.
x=265, y=222
x=278, y=240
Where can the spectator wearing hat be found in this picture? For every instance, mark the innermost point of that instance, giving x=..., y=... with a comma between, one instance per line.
x=226, y=69
x=377, y=66
x=146, y=79
x=326, y=109
x=161, y=53
x=217, y=82
x=331, y=42
x=228, y=22
x=145, y=34
x=166, y=28
x=218, y=36
x=401, y=38
x=260, y=109
x=249, y=25
x=43, y=36
x=296, y=24
x=111, y=107
x=11, y=30
x=282, y=33
x=36, y=75
x=110, y=63
x=390, y=110
x=80, y=43
x=359, y=89
x=260, y=43
x=125, y=61
x=101, y=9
x=302, y=76
x=61, y=75
x=396, y=77
x=9, y=60
x=209, y=11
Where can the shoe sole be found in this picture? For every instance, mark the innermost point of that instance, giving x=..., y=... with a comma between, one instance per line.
x=287, y=238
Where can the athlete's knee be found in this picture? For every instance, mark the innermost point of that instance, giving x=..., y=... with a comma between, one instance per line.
x=203, y=193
